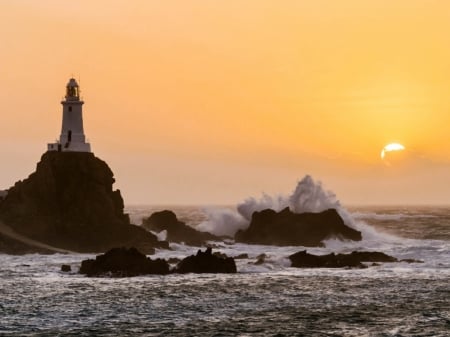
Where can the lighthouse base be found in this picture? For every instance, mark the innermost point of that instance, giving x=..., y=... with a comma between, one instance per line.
x=69, y=147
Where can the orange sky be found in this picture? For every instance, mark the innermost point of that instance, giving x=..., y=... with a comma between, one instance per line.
x=212, y=101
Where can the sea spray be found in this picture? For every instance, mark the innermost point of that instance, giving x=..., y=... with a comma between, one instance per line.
x=308, y=196
x=222, y=221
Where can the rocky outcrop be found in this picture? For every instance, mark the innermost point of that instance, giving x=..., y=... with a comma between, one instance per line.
x=123, y=262
x=353, y=260
x=69, y=202
x=206, y=262
x=177, y=231
x=286, y=228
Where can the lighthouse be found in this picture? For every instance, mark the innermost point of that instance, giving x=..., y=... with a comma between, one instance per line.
x=72, y=132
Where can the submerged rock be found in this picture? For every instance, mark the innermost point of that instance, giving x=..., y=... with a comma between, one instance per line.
x=177, y=231
x=303, y=259
x=206, y=262
x=123, y=262
x=286, y=228
x=69, y=202
x=260, y=259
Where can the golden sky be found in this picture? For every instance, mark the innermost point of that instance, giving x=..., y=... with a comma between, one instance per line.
x=213, y=101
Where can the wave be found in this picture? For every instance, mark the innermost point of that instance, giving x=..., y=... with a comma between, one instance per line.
x=308, y=196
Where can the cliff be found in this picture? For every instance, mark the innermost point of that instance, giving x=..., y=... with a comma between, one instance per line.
x=69, y=202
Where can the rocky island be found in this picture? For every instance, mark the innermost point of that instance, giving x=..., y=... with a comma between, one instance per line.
x=177, y=231
x=69, y=202
x=286, y=228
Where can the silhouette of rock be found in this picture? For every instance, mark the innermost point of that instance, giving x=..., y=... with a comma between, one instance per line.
x=123, y=262
x=69, y=202
x=177, y=231
x=66, y=268
x=303, y=259
x=411, y=261
x=286, y=228
x=206, y=262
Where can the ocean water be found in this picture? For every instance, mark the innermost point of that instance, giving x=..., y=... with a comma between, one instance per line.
x=272, y=299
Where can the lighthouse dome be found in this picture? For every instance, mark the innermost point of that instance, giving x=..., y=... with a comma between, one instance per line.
x=72, y=90
x=72, y=83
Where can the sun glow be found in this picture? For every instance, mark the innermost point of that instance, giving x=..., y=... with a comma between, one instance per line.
x=391, y=147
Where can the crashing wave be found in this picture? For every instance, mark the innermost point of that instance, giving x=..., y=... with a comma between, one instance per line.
x=308, y=196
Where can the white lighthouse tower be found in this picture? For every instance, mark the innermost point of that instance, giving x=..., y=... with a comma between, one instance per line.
x=72, y=133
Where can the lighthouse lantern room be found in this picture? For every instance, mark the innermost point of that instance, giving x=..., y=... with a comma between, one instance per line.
x=72, y=133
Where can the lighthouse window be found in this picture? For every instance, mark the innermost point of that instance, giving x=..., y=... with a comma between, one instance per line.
x=70, y=108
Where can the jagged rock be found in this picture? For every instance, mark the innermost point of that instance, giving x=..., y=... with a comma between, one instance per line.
x=123, y=262
x=303, y=259
x=206, y=262
x=177, y=231
x=66, y=268
x=241, y=256
x=69, y=202
x=286, y=228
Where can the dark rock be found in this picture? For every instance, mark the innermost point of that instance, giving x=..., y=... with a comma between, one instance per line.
x=286, y=228
x=353, y=260
x=206, y=262
x=370, y=257
x=173, y=260
x=177, y=231
x=69, y=203
x=411, y=261
x=220, y=254
x=123, y=262
x=66, y=268
x=260, y=259
x=241, y=256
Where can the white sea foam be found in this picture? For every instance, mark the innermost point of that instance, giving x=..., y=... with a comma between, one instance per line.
x=222, y=221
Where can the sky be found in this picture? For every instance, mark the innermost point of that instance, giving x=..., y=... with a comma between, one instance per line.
x=210, y=102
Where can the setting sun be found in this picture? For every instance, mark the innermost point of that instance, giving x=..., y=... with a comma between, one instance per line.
x=391, y=147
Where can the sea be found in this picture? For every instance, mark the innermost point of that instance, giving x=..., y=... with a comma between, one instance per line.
x=270, y=299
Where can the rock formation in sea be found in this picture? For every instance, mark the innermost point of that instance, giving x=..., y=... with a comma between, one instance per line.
x=206, y=262
x=69, y=202
x=286, y=228
x=177, y=231
x=123, y=262
x=303, y=259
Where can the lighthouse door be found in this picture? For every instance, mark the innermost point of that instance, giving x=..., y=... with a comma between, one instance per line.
x=69, y=137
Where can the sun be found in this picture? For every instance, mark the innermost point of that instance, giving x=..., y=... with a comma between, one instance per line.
x=391, y=147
